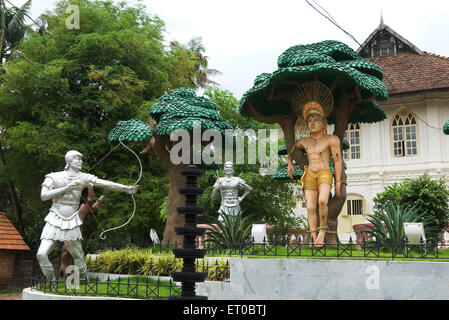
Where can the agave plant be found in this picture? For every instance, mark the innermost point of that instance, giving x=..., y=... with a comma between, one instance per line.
x=388, y=225
x=231, y=231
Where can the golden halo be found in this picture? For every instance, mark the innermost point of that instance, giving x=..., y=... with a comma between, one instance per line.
x=311, y=97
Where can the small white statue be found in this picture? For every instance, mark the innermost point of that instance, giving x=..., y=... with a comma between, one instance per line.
x=62, y=222
x=229, y=187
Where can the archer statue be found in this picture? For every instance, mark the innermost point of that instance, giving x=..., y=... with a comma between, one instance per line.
x=63, y=222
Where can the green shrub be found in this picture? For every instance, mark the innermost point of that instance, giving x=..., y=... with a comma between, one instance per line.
x=165, y=265
x=142, y=262
x=233, y=231
x=431, y=196
x=388, y=225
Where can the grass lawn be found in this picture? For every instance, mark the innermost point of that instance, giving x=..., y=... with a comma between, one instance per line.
x=138, y=288
x=343, y=252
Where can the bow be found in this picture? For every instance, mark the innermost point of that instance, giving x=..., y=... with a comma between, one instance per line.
x=102, y=234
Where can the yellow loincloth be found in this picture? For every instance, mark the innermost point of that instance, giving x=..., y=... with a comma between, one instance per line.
x=311, y=180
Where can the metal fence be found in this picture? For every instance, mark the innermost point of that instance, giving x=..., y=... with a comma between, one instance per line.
x=338, y=250
x=129, y=287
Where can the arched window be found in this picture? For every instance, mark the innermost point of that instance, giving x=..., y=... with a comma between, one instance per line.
x=404, y=133
x=352, y=135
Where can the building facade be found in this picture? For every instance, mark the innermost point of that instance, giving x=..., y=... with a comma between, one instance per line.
x=410, y=142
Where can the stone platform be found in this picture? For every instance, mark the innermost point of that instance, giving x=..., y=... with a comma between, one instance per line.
x=281, y=279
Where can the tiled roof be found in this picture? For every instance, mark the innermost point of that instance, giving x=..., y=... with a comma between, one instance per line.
x=410, y=72
x=10, y=238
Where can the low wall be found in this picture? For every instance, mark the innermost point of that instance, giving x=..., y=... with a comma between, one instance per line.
x=277, y=279
x=33, y=294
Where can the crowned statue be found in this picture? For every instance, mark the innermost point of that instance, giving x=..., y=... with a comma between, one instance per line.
x=229, y=187
x=63, y=222
x=313, y=103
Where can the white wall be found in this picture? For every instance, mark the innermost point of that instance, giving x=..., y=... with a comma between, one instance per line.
x=378, y=168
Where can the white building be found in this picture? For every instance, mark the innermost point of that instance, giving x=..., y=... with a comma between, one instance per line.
x=410, y=142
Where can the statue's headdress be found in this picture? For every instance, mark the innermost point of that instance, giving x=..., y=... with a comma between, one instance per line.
x=311, y=98
x=69, y=156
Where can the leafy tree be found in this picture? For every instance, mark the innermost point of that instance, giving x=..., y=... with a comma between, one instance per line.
x=12, y=27
x=12, y=30
x=431, y=197
x=70, y=91
x=228, y=106
x=446, y=127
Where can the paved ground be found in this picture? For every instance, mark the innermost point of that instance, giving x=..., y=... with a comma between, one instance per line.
x=11, y=296
x=11, y=293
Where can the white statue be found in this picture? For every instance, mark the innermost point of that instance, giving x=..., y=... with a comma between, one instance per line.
x=62, y=222
x=229, y=187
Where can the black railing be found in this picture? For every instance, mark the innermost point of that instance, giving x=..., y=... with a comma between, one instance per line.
x=129, y=287
x=338, y=250
x=350, y=249
x=214, y=270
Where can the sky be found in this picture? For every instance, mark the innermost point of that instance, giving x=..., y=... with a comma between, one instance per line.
x=243, y=38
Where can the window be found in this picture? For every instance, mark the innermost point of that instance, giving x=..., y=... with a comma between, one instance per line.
x=355, y=207
x=352, y=135
x=404, y=133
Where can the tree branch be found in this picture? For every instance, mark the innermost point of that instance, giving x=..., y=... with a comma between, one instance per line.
x=260, y=117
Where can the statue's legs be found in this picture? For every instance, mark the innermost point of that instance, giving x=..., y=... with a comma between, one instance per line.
x=42, y=256
x=323, y=198
x=311, y=197
x=76, y=250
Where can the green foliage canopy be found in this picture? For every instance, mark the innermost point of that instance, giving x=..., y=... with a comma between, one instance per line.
x=180, y=108
x=327, y=60
x=70, y=91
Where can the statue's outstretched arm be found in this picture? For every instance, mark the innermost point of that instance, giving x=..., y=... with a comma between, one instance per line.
x=115, y=186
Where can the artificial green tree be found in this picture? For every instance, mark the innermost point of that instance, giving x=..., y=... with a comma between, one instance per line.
x=179, y=109
x=356, y=84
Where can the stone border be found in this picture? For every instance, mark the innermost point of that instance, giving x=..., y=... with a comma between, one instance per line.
x=317, y=279
x=33, y=294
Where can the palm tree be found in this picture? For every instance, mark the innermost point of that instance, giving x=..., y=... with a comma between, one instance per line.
x=202, y=80
x=12, y=26
x=201, y=70
x=12, y=30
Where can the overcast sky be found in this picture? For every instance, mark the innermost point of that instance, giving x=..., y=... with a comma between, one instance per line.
x=243, y=38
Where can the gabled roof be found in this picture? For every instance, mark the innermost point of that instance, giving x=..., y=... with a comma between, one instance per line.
x=382, y=32
x=406, y=68
x=10, y=238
